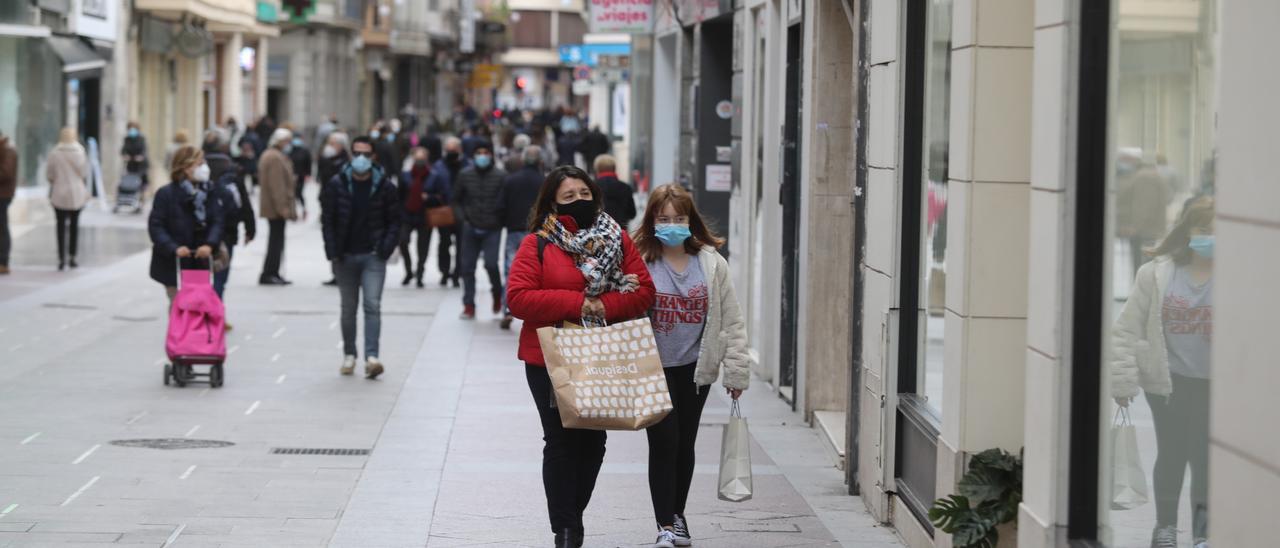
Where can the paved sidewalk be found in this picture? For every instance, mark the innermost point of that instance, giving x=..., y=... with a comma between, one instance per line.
x=455, y=440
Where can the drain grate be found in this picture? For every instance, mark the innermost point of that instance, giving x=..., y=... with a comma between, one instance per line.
x=318, y=451
x=172, y=443
x=70, y=306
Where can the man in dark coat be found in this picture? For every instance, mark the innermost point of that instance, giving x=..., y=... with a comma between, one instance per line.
x=520, y=192
x=593, y=144
x=236, y=207
x=360, y=216
x=439, y=189
x=477, y=204
x=618, y=200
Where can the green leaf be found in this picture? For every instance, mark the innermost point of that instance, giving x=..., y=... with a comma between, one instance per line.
x=949, y=512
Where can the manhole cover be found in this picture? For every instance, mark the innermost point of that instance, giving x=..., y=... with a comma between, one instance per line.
x=317, y=451
x=172, y=443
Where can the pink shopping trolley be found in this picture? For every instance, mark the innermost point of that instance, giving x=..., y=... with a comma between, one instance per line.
x=196, y=335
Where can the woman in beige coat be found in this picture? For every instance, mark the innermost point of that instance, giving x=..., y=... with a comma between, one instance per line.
x=67, y=170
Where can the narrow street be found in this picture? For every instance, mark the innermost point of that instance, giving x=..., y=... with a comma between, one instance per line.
x=452, y=440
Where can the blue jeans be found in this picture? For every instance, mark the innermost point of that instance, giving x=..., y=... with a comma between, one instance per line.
x=357, y=274
x=475, y=241
x=220, y=278
x=514, y=238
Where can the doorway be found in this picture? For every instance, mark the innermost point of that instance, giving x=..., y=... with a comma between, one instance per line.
x=789, y=197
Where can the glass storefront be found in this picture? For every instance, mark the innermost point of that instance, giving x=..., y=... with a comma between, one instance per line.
x=31, y=93
x=1158, y=288
x=933, y=261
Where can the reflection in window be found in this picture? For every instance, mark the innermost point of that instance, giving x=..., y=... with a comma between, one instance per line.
x=1158, y=368
x=933, y=287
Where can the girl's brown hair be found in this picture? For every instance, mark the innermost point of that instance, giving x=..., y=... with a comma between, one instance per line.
x=1198, y=213
x=183, y=159
x=546, y=203
x=647, y=242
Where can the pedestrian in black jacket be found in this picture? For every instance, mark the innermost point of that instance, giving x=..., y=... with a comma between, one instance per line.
x=233, y=196
x=439, y=189
x=186, y=218
x=618, y=200
x=519, y=194
x=302, y=165
x=360, y=214
x=477, y=203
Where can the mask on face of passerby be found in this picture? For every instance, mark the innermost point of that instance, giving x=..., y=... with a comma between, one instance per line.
x=483, y=161
x=288, y=147
x=329, y=151
x=133, y=132
x=584, y=212
x=672, y=235
x=297, y=141
x=201, y=173
x=375, y=134
x=452, y=157
x=1202, y=245
x=361, y=164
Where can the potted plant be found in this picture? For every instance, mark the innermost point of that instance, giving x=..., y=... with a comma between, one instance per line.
x=988, y=498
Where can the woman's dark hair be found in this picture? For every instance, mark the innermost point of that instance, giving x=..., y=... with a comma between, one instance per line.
x=1198, y=213
x=647, y=241
x=546, y=204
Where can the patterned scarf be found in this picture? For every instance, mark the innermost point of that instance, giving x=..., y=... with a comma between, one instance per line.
x=596, y=251
x=198, y=195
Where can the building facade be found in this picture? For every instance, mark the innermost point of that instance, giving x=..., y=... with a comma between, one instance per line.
x=958, y=226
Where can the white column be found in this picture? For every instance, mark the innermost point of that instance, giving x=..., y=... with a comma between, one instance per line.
x=231, y=80
x=260, y=79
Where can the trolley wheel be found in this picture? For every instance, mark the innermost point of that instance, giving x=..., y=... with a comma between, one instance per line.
x=168, y=372
x=215, y=376
x=180, y=374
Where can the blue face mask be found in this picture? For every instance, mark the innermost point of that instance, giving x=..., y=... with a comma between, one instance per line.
x=375, y=134
x=672, y=235
x=361, y=164
x=133, y=132
x=297, y=141
x=1202, y=245
x=483, y=161
x=391, y=137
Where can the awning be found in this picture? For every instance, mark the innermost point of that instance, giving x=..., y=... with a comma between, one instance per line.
x=78, y=58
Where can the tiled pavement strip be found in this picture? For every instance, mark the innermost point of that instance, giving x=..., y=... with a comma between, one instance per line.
x=455, y=440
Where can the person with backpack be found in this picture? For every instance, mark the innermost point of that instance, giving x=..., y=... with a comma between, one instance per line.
x=700, y=332
x=360, y=216
x=576, y=265
x=186, y=218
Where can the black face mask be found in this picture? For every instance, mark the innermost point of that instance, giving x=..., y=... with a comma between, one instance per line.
x=452, y=157
x=584, y=212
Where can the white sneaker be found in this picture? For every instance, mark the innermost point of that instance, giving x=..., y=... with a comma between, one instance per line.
x=348, y=365
x=666, y=539
x=372, y=367
x=681, y=530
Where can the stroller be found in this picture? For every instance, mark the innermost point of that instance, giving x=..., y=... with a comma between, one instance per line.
x=196, y=329
x=129, y=193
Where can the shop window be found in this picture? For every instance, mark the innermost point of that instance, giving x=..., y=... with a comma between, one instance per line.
x=1142, y=409
x=921, y=327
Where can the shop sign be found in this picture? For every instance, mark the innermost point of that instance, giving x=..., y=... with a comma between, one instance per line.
x=626, y=16
x=719, y=178
x=299, y=10
x=589, y=54
x=267, y=12
x=724, y=109
x=582, y=87
x=485, y=76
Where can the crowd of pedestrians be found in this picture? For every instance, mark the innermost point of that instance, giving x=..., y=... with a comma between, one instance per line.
x=539, y=183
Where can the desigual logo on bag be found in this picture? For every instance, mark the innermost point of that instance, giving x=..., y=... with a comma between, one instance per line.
x=611, y=370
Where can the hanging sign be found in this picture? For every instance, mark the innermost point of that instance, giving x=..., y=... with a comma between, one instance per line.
x=719, y=178
x=628, y=16
x=724, y=109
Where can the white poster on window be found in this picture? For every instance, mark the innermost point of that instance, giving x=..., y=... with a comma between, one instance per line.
x=719, y=178
x=621, y=110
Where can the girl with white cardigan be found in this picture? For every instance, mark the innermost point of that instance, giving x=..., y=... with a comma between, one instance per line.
x=699, y=331
x=68, y=171
x=1161, y=345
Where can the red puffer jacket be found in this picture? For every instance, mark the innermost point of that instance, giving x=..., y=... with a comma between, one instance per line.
x=547, y=292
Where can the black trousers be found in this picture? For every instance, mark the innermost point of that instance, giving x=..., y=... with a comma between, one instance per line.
x=671, y=444
x=6, y=242
x=571, y=458
x=444, y=256
x=275, y=248
x=67, y=224
x=1182, y=439
x=424, y=243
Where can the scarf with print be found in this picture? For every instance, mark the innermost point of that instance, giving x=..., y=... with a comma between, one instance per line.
x=596, y=251
x=198, y=195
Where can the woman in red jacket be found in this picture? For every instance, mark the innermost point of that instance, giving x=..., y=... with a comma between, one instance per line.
x=575, y=265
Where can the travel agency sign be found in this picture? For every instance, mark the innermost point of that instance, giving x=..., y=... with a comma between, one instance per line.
x=629, y=16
